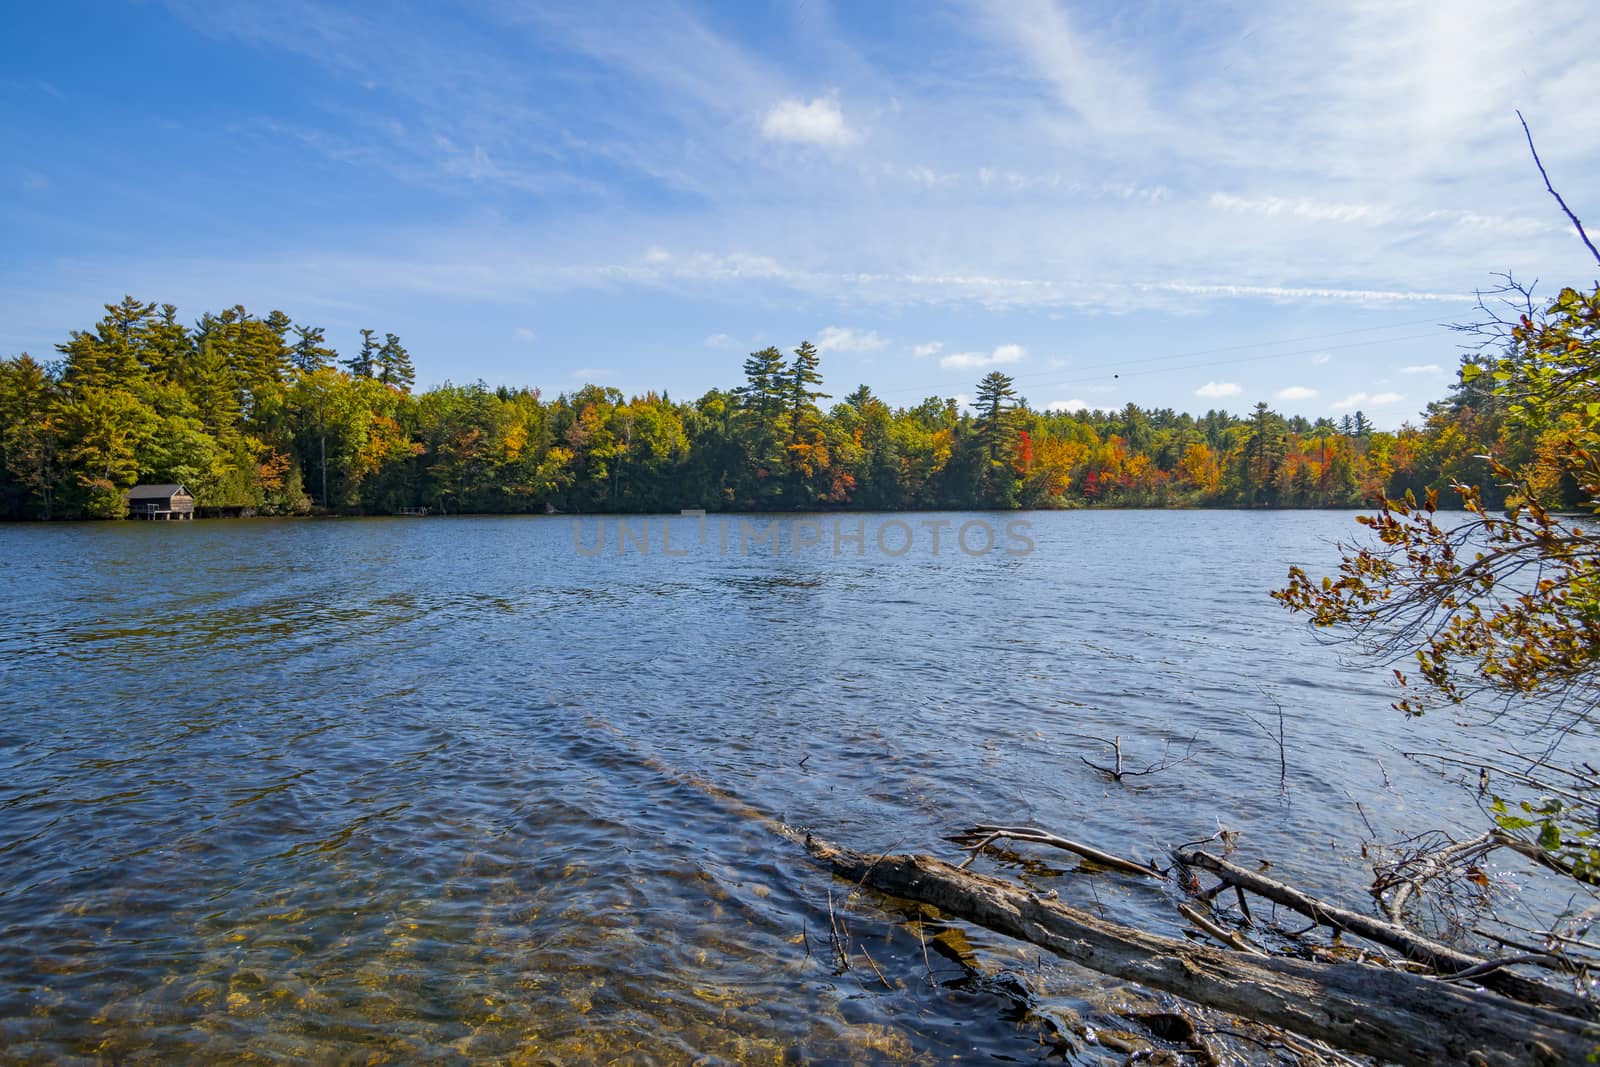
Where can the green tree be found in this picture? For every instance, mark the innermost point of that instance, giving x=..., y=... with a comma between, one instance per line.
x=1503, y=605
x=394, y=364
x=29, y=444
x=102, y=433
x=364, y=364
x=997, y=400
x=1264, y=450
x=109, y=357
x=309, y=353
x=804, y=376
x=761, y=405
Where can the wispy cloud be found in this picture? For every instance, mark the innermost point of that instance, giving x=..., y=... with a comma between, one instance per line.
x=1360, y=399
x=845, y=339
x=1306, y=209
x=525, y=335
x=1422, y=368
x=1215, y=390
x=1248, y=170
x=719, y=341
x=1294, y=392
x=978, y=360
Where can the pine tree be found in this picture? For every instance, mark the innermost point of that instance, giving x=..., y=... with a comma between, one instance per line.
x=29, y=444
x=363, y=363
x=803, y=374
x=308, y=353
x=394, y=364
x=997, y=398
x=167, y=348
x=763, y=387
x=1264, y=450
x=108, y=358
x=761, y=409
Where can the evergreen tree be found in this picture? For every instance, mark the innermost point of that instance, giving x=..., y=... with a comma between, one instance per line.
x=364, y=363
x=167, y=348
x=997, y=399
x=1263, y=452
x=109, y=358
x=394, y=364
x=29, y=445
x=803, y=375
x=763, y=390
x=761, y=401
x=308, y=353
x=860, y=400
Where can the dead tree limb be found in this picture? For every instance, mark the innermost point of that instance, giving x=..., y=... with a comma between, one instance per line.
x=1440, y=958
x=1539, y=163
x=1412, y=873
x=1231, y=938
x=985, y=835
x=1374, y=1011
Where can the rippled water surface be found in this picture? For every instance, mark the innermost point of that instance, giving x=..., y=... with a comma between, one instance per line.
x=447, y=789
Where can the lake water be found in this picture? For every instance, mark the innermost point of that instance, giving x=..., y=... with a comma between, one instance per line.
x=435, y=789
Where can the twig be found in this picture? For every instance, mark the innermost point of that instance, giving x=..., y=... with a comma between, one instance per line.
x=873, y=964
x=1227, y=937
x=1118, y=773
x=1283, y=762
x=1538, y=163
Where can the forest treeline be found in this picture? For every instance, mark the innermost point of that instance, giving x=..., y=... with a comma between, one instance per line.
x=258, y=415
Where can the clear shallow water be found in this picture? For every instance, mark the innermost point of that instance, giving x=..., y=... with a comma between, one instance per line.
x=427, y=789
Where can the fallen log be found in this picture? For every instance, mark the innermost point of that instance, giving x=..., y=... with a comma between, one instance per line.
x=1374, y=1011
x=1440, y=958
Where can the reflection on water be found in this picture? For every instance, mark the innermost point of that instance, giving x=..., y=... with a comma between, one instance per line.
x=427, y=789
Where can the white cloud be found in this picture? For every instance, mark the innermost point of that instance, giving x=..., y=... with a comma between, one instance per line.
x=1095, y=84
x=845, y=339
x=819, y=122
x=592, y=374
x=1306, y=209
x=1296, y=292
x=719, y=340
x=1320, y=358
x=977, y=360
x=929, y=349
x=1080, y=405
x=1294, y=392
x=657, y=254
x=525, y=335
x=1422, y=368
x=1363, y=399
x=1214, y=390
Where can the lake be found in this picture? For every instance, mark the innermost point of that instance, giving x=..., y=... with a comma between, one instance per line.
x=475, y=788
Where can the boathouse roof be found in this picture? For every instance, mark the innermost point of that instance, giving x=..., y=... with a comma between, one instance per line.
x=156, y=492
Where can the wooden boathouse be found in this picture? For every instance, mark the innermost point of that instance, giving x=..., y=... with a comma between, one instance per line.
x=160, y=502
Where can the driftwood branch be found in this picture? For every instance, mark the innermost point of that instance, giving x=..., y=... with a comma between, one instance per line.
x=1440, y=958
x=1539, y=163
x=1118, y=772
x=1373, y=1011
x=985, y=835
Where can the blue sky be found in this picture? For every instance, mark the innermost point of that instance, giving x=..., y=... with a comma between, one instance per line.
x=1162, y=203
